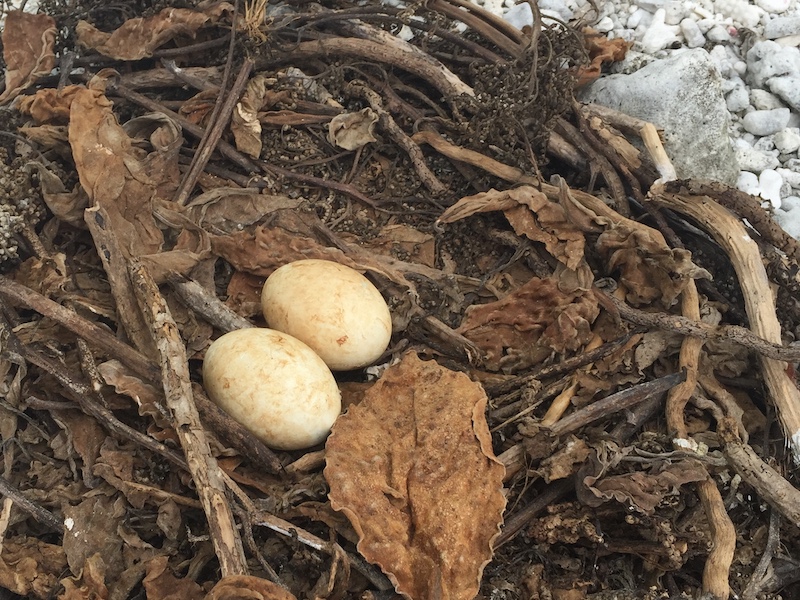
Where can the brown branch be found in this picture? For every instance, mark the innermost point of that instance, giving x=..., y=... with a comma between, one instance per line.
x=40, y=514
x=744, y=253
x=766, y=481
x=693, y=328
x=723, y=536
x=186, y=421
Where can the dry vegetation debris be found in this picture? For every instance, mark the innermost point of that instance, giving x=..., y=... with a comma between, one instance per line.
x=590, y=390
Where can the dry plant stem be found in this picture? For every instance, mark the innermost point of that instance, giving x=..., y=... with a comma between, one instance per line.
x=759, y=576
x=20, y=295
x=517, y=521
x=497, y=23
x=86, y=398
x=479, y=25
x=395, y=52
x=561, y=149
x=560, y=405
x=652, y=141
x=206, y=304
x=40, y=514
x=689, y=359
x=615, y=402
x=730, y=233
x=233, y=432
x=680, y=324
x=723, y=536
x=414, y=152
x=113, y=257
x=618, y=120
x=766, y=481
x=172, y=74
x=212, y=135
x=186, y=421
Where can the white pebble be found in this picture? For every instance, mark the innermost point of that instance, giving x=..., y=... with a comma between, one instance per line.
x=787, y=88
x=774, y=6
x=673, y=12
x=750, y=159
x=692, y=34
x=790, y=177
x=764, y=100
x=604, y=25
x=740, y=67
x=748, y=183
x=787, y=141
x=782, y=27
x=770, y=183
x=766, y=122
x=659, y=35
x=738, y=99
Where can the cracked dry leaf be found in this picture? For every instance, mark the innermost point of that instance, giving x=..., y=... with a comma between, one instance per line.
x=138, y=38
x=353, y=130
x=531, y=214
x=30, y=567
x=527, y=325
x=412, y=468
x=28, y=42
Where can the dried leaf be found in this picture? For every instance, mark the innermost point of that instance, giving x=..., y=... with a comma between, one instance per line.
x=120, y=177
x=28, y=42
x=245, y=587
x=49, y=105
x=531, y=214
x=30, y=567
x=138, y=38
x=566, y=461
x=230, y=209
x=353, y=130
x=413, y=469
x=528, y=324
x=90, y=528
x=643, y=491
x=601, y=50
x=245, y=126
x=161, y=584
x=90, y=584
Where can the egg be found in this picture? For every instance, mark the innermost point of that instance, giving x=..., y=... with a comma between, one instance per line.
x=274, y=385
x=332, y=308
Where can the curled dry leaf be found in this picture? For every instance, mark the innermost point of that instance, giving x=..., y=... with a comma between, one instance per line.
x=161, y=583
x=28, y=42
x=352, y=130
x=527, y=325
x=138, y=38
x=531, y=214
x=30, y=567
x=641, y=490
x=601, y=50
x=246, y=587
x=245, y=126
x=412, y=468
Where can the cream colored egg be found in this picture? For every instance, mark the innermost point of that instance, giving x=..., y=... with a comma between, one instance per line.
x=274, y=385
x=332, y=308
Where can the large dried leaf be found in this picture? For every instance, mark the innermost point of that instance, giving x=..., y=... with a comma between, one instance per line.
x=353, y=130
x=161, y=584
x=28, y=42
x=527, y=325
x=228, y=209
x=531, y=214
x=245, y=126
x=241, y=587
x=413, y=469
x=138, y=38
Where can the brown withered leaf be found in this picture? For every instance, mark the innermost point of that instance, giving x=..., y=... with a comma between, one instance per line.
x=531, y=214
x=49, y=105
x=30, y=567
x=91, y=528
x=160, y=583
x=246, y=587
x=412, y=468
x=353, y=130
x=638, y=489
x=91, y=583
x=528, y=324
x=122, y=178
x=601, y=50
x=28, y=42
x=245, y=126
x=138, y=38
x=228, y=209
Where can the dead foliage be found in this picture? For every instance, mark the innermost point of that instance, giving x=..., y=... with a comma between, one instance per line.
x=590, y=389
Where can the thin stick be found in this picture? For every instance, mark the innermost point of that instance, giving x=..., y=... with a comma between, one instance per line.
x=678, y=397
x=186, y=420
x=212, y=135
x=40, y=514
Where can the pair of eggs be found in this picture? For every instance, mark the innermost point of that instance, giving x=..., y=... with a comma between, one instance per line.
x=277, y=382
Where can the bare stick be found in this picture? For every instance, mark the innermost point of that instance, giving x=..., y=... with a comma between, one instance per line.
x=212, y=135
x=723, y=536
x=766, y=481
x=213, y=310
x=744, y=253
x=678, y=397
x=42, y=515
x=178, y=390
